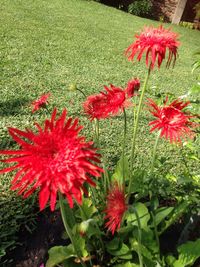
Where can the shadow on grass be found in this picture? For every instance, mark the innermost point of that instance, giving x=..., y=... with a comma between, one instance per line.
x=13, y=106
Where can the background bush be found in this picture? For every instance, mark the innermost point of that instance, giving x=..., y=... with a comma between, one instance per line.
x=140, y=7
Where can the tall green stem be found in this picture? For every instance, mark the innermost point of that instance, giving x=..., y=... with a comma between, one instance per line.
x=139, y=238
x=154, y=152
x=135, y=127
x=68, y=229
x=152, y=213
x=123, y=145
x=156, y=234
x=97, y=132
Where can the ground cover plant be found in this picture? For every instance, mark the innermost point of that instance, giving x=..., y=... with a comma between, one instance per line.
x=86, y=70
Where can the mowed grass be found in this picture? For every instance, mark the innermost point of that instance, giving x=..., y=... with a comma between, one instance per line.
x=48, y=45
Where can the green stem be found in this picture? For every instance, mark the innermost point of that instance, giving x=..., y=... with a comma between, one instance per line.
x=97, y=132
x=124, y=144
x=152, y=213
x=106, y=176
x=135, y=127
x=81, y=92
x=68, y=229
x=156, y=234
x=47, y=109
x=154, y=152
x=139, y=238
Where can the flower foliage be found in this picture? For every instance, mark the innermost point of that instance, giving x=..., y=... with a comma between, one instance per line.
x=173, y=122
x=106, y=104
x=115, y=208
x=40, y=103
x=51, y=160
x=154, y=42
x=132, y=87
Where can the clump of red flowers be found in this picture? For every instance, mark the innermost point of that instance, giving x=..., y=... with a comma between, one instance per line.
x=53, y=159
x=106, y=104
x=115, y=208
x=40, y=103
x=172, y=120
x=154, y=43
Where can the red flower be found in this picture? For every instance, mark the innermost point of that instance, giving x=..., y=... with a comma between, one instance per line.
x=40, y=103
x=106, y=104
x=132, y=86
x=154, y=42
x=51, y=160
x=115, y=208
x=95, y=107
x=116, y=99
x=173, y=122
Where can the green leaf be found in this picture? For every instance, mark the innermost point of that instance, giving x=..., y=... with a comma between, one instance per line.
x=87, y=209
x=188, y=254
x=121, y=169
x=195, y=89
x=135, y=247
x=113, y=244
x=177, y=212
x=123, y=250
x=149, y=241
x=71, y=263
x=137, y=184
x=68, y=213
x=127, y=264
x=58, y=254
x=79, y=243
x=162, y=213
x=143, y=214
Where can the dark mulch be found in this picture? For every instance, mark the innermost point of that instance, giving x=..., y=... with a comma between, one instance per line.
x=34, y=247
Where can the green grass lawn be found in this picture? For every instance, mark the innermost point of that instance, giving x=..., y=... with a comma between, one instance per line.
x=48, y=45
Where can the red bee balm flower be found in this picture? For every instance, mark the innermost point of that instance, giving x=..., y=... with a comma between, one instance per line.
x=171, y=120
x=53, y=159
x=132, y=86
x=116, y=207
x=40, y=103
x=106, y=104
x=154, y=42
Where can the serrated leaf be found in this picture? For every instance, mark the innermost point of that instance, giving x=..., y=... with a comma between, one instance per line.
x=58, y=254
x=79, y=243
x=188, y=253
x=87, y=209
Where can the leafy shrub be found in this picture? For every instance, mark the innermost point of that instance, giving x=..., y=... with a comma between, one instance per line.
x=186, y=24
x=140, y=7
